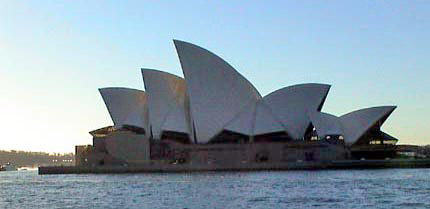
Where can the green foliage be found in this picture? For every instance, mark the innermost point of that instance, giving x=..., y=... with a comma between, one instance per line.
x=35, y=159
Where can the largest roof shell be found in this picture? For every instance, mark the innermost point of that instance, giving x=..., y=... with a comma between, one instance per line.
x=217, y=92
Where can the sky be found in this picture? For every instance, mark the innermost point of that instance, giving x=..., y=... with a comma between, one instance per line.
x=54, y=55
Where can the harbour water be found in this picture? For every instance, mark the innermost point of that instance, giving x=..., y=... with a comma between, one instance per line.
x=379, y=188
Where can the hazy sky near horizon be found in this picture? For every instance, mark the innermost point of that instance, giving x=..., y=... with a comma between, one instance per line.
x=54, y=55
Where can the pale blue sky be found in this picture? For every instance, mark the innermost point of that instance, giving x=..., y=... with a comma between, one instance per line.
x=54, y=55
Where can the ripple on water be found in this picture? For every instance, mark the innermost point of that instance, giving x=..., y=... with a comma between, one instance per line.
x=386, y=188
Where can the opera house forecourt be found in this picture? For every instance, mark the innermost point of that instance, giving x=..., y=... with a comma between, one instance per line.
x=213, y=118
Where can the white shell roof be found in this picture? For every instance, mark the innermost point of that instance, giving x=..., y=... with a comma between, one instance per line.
x=214, y=97
x=217, y=92
x=126, y=106
x=244, y=121
x=292, y=104
x=326, y=124
x=166, y=95
x=356, y=123
x=266, y=121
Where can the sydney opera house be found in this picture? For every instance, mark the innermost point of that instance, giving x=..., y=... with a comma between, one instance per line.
x=215, y=116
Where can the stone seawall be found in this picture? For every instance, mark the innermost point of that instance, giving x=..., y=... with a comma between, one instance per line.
x=171, y=168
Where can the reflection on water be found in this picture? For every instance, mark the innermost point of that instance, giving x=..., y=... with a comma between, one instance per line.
x=385, y=188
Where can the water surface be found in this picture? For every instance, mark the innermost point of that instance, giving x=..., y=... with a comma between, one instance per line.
x=384, y=188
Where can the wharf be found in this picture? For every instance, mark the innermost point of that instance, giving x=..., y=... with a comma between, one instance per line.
x=177, y=168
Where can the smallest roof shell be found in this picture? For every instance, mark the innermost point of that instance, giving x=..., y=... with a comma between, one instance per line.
x=326, y=124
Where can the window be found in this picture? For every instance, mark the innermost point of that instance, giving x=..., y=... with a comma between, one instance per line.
x=375, y=142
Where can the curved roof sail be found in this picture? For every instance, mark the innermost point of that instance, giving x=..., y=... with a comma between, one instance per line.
x=166, y=95
x=357, y=123
x=265, y=121
x=126, y=106
x=292, y=104
x=326, y=124
x=217, y=92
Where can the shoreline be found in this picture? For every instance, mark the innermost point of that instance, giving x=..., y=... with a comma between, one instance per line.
x=184, y=168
